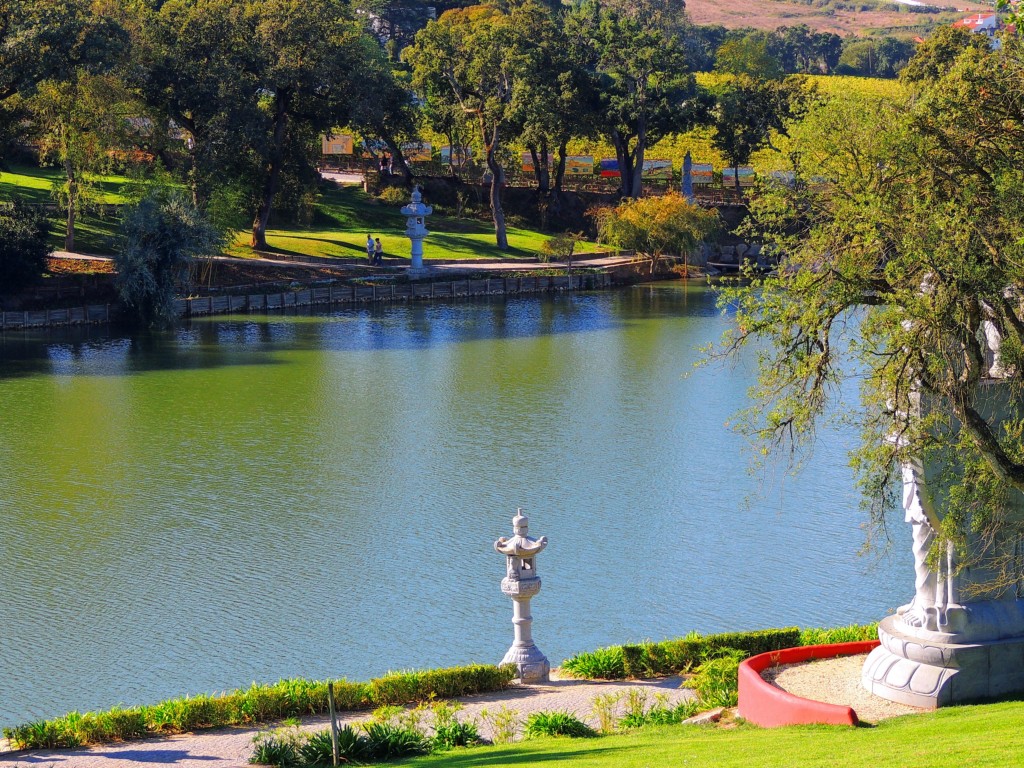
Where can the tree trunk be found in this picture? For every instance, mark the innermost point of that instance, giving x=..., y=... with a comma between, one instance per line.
x=622, y=155
x=736, y=178
x=639, y=151
x=272, y=181
x=397, y=157
x=540, y=167
x=188, y=124
x=544, y=174
x=69, y=237
x=560, y=167
x=497, y=183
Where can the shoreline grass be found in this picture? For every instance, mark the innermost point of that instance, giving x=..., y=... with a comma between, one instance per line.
x=260, y=703
x=979, y=736
x=345, y=215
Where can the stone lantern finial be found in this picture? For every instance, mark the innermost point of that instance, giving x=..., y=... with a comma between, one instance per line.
x=521, y=583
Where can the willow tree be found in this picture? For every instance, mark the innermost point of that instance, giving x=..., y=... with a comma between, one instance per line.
x=472, y=59
x=901, y=248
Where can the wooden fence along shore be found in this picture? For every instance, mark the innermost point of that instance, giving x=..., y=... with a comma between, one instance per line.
x=326, y=295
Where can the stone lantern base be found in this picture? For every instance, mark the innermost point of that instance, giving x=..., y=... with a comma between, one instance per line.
x=930, y=673
x=533, y=665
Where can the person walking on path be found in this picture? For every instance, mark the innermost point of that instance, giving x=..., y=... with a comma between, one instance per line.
x=370, y=250
x=378, y=252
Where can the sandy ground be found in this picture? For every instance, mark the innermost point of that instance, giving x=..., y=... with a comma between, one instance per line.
x=836, y=681
x=233, y=746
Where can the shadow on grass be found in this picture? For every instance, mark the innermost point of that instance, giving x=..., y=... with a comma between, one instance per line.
x=270, y=250
x=359, y=249
x=521, y=754
x=92, y=234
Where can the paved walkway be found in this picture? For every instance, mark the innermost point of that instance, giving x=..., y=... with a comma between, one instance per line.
x=432, y=265
x=233, y=746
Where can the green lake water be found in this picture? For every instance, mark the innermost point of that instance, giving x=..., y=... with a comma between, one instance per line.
x=253, y=498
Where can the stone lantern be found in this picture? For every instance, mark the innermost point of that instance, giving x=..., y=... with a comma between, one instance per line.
x=521, y=583
x=415, y=227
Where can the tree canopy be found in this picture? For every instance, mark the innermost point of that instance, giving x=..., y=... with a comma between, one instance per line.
x=476, y=60
x=901, y=257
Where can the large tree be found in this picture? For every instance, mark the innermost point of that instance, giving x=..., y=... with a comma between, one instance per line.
x=81, y=110
x=912, y=208
x=44, y=40
x=639, y=56
x=748, y=111
x=384, y=106
x=474, y=59
x=559, y=100
x=310, y=55
x=196, y=66
x=83, y=121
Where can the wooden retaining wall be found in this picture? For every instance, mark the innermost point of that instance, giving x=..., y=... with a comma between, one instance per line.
x=326, y=295
x=46, y=318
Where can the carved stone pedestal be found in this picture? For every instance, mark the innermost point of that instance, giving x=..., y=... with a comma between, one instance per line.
x=931, y=673
x=521, y=583
x=533, y=666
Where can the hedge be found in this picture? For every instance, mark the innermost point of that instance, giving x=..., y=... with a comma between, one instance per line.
x=681, y=654
x=257, y=704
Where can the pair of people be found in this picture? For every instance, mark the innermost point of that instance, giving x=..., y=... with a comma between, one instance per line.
x=374, y=250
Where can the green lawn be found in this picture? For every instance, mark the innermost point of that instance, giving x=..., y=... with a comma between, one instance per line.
x=346, y=215
x=93, y=234
x=33, y=184
x=958, y=737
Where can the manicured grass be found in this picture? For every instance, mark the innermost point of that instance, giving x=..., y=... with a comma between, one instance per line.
x=33, y=184
x=976, y=736
x=93, y=234
x=346, y=215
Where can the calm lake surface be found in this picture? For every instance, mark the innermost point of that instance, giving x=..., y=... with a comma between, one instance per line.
x=255, y=498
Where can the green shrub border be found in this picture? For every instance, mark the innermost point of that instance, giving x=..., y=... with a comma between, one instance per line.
x=260, y=703
x=670, y=657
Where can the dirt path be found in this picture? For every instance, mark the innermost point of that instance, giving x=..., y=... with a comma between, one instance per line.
x=233, y=746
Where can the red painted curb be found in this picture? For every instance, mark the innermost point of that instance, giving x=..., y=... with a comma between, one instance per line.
x=763, y=704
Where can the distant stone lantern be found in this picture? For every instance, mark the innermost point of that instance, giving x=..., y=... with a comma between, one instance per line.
x=415, y=227
x=521, y=583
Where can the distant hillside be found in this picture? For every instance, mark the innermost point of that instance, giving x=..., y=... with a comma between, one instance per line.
x=845, y=17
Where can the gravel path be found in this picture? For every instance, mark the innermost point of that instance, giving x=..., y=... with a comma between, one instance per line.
x=233, y=746
x=836, y=681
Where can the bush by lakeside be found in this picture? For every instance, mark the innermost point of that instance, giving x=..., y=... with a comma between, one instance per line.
x=258, y=704
x=714, y=657
x=670, y=657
